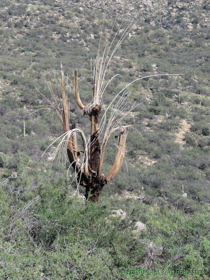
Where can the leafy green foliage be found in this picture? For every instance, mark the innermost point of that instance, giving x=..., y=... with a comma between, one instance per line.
x=61, y=236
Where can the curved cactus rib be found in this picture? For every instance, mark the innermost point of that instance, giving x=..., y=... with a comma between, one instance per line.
x=82, y=165
x=119, y=157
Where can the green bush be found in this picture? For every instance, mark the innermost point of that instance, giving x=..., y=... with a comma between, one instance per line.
x=155, y=110
x=190, y=139
x=205, y=131
x=170, y=125
x=132, y=154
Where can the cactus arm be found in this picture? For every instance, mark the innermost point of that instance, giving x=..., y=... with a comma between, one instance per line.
x=76, y=93
x=119, y=157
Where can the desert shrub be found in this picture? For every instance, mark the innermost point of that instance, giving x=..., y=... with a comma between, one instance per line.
x=169, y=93
x=198, y=190
x=176, y=112
x=198, y=115
x=1, y=162
x=190, y=139
x=205, y=102
x=204, y=142
x=5, y=146
x=181, y=98
x=132, y=154
x=187, y=173
x=154, y=179
x=127, y=64
x=194, y=157
x=169, y=147
x=120, y=186
x=159, y=98
x=196, y=127
x=135, y=140
x=207, y=174
x=197, y=100
x=169, y=125
x=147, y=67
x=185, y=205
x=155, y=110
x=205, y=131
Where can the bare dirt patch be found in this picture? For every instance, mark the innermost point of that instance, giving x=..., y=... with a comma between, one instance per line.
x=180, y=135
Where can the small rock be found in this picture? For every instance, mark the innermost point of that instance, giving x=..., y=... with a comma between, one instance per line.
x=50, y=158
x=116, y=213
x=119, y=213
x=140, y=226
x=156, y=250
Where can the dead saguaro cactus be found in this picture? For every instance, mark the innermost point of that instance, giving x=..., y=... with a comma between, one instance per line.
x=88, y=163
x=89, y=167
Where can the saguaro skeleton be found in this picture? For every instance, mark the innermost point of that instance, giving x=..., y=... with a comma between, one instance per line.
x=89, y=167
